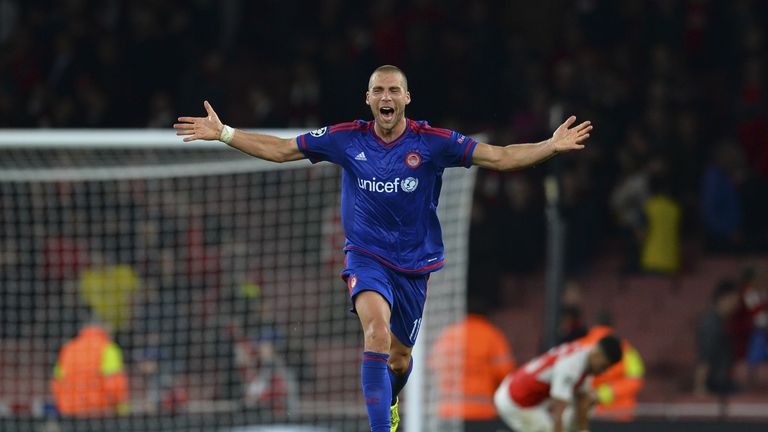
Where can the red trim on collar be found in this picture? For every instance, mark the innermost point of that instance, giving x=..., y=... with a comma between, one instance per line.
x=389, y=145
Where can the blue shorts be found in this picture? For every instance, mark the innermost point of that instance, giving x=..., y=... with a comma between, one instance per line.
x=406, y=294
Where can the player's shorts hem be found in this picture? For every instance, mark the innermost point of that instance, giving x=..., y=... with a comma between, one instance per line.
x=407, y=343
x=354, y=294
x=421, y=271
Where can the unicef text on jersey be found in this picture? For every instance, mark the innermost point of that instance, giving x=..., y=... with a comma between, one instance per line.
x=408, y=184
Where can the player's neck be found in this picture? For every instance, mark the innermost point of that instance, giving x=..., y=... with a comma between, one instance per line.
x=389, y=135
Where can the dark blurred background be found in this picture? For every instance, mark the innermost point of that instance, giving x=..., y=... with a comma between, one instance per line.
x=675, y=88
x=670, y=196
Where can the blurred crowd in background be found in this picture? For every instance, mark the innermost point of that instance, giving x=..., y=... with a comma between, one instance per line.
x=189, y=281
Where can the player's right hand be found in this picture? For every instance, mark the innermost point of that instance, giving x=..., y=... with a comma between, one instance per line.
x=200, y=128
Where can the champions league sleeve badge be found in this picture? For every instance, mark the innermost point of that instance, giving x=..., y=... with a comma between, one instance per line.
x=319, y=132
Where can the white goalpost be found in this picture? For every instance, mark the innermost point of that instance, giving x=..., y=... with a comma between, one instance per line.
x=215, y=274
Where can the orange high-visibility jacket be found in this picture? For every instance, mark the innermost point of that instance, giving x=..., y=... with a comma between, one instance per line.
x=88, y=379
x=470, y=358
x=618, y=386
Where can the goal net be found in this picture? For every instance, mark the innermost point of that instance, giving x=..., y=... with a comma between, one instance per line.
x=215, y=275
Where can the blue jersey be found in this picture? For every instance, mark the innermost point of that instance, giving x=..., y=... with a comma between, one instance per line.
x=390, y=191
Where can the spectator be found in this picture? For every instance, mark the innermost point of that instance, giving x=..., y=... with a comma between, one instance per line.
x=109, y=289
x=721, y=204
x=154, y=363
x=89, y=379
x=628, y=197
x=661, y=237
x=572, y=325
x=749, y=324
x=742, y=322
x=257, y=367
x=466, y=392
x=714, y=345
x=756, y=300
x=269, y=384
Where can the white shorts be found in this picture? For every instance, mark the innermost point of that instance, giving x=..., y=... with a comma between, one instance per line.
x=521, y=419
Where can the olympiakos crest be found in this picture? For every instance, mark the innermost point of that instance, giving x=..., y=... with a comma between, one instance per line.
x=413, y=160
x=353, y=281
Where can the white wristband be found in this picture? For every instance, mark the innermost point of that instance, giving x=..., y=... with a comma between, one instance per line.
x=227, y=133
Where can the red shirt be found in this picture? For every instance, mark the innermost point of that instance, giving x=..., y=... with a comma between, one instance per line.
x=558, y=373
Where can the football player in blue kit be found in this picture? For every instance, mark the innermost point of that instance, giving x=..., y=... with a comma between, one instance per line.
x=391, y=180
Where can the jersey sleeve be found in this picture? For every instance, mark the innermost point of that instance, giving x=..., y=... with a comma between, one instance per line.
x=450, y=148
x=322, y=144
x=565, y=376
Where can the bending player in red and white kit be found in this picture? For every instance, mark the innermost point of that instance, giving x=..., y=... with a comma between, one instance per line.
x=533, y=398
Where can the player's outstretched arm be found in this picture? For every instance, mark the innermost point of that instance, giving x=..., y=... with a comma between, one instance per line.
x=262, y=146
x=517, y=156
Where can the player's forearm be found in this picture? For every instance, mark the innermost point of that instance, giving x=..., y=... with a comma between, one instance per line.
x=265, y=147
x=558, y=407
x=582, y=413
x=517, y=156
x=582, y=423
x=558, y=424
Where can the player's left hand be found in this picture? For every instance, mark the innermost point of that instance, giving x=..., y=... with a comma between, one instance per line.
x=566, y=138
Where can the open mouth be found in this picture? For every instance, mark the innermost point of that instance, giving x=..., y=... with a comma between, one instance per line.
x=387, y=113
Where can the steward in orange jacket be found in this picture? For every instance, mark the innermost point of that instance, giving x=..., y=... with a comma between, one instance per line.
x=470, y=359
x=617, y=387
x=88, y=379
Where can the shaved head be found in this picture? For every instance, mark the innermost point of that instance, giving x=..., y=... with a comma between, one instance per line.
x=389, y=69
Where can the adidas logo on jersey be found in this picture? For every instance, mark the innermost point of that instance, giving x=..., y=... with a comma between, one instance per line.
x=361, y=157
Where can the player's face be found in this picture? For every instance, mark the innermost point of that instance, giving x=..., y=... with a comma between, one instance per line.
x=387, y=98
x=598, y=362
